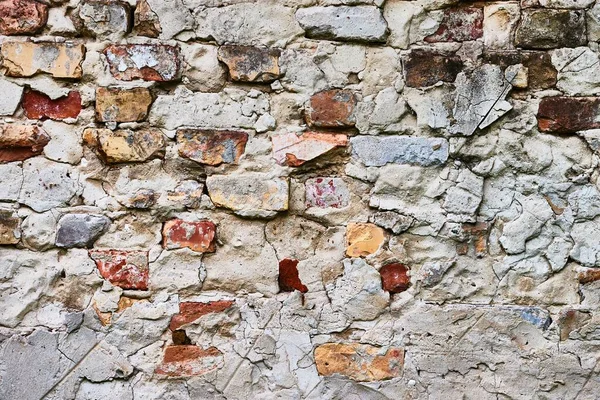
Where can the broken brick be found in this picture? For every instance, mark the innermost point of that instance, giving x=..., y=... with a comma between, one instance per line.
x=122, y=105
x=331, y=109
x=20, y=142
x=189, y=360
x=294, y=150
x=251, y=64
x=289, y=279
x=394, y=277
x=150, y=62
x=568, y=114
x=40, y=106
x=22, y=17
x=25, y=59
x=459, y=25
x=191, y=311
x=426, y=68
x=198, y=236
x=212, y=147
x=123, y=268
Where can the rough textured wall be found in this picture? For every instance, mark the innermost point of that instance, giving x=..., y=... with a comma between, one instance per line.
x=299, y=199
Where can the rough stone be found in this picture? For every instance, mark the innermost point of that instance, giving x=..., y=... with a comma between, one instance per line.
x=378, y=151
x=125, y=269
x=47, y=184
x=499, y=24
x=177, y=271
x=251, y=64
x=212, y=147
x=359, y=23
x=542, y=74
x=103, y=18
x=11, y=98
x=150, y=62
x=126, y=145
x=122, y=105
x=39, y=106
x=363, y=239
x=25, y=59
x=359, y=362
x=22, y=17
x=199, y=236
x=20, y=142
x=326, y=192
x=549, y=29
x=10, y=227
x=249, y=194
x=80, y=230
x=331, y=109
x=294, y=150
x=426, y=67
x=145, y=20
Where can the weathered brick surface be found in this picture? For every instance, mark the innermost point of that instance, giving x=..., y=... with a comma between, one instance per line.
x=235, y=199
x=39, y=106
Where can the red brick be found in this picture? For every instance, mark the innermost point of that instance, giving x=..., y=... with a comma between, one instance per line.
x=331, y=109
x=188, y=360
x=125, y=269
x=191, y=311
x=568, y=114
x=289, y=279
x=21, y=17
x=20, y=142
x=394, y=277
x=198, y=236
x=39, y=106
x=459, y=25
x=162, y=63
x=212, y=147
x=425, y=68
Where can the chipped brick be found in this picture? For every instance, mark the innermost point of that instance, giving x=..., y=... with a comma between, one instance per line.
x=568, y=114
x=289, y=279
x=331, y=109
x=394, y=277
x=25, y=59
x=122, y=105
x=20, y=142
x=459, y=25
x=188, y=360
x=40, y=106
x=294, y=150
x=150, y=62
x=212, y=147
x=123, y=268
x=190, y=311
x=198, y=236
x=427, y=67
x=22, y=17
x=251, y=64
x=126, y=145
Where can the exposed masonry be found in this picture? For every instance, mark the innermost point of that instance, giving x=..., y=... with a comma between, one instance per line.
x=299, y=199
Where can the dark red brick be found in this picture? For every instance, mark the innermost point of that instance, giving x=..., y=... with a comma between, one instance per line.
x=22, y=17
x=568, y=114
x=251, y=64
x=39, y=106
x=394, y=277
x=425, y=68
x=331, y=109
x=459, y=25
x=191, y=311
x=289, y=279
x=125, y=269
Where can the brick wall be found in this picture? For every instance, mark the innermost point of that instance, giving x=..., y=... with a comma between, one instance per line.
x=299, y=199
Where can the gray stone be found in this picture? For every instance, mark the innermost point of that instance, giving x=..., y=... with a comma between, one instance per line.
x=360, y=23
x=103, y=19
x=393, y=221
x=39, y=231
x=549, y=29
x=11, y=179
x=47, y=184
x=480, y=99
x=228, y=109
x=80, y=230
x=10, y=98
x=249, y=195
x=376, y=151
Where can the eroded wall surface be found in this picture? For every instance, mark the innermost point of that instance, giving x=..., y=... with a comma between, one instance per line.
x=299, y=199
